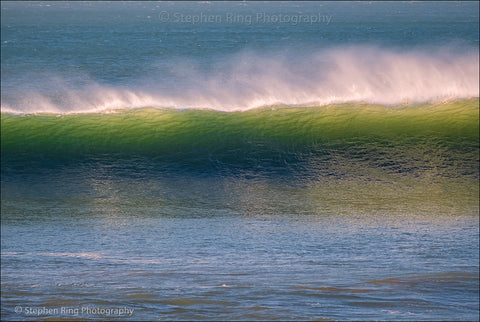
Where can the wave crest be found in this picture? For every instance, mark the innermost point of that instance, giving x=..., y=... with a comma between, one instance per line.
x=250, y=79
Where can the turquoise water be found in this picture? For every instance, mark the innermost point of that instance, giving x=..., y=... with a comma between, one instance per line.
x=240, y=161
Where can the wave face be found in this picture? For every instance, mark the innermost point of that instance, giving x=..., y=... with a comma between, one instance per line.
x=250, y=80
x=329, y=141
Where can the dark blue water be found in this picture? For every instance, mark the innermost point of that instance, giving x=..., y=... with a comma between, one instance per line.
x=343, y=187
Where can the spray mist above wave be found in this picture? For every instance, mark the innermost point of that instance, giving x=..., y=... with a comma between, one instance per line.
x=250, y=79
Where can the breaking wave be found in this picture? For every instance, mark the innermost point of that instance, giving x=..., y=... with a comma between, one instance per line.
x=250, y=80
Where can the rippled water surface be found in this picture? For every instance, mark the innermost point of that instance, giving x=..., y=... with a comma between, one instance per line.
x=154, y=167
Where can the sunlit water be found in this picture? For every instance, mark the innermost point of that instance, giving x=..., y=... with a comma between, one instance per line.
x=237, y=249
x=349, y=211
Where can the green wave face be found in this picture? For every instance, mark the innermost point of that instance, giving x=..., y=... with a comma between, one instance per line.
x=440, y=139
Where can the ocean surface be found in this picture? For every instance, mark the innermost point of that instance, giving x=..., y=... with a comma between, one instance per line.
x=240, y=160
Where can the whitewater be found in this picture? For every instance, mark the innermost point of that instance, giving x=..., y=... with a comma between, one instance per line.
x=250, y=80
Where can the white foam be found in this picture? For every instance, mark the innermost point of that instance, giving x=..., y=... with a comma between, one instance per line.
x=248, y=80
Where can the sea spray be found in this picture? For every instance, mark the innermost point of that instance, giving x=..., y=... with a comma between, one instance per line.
x=251, y=79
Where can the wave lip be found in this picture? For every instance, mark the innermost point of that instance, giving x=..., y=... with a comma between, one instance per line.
x=250, y=80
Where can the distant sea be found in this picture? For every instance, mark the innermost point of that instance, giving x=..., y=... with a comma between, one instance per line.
x=240, y=160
